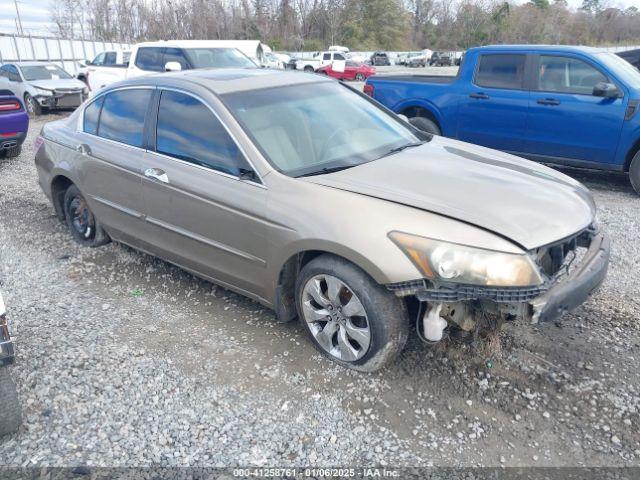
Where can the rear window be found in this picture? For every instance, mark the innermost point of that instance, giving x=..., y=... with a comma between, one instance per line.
x=501, y=71
x=91, y=116
x=122, y=117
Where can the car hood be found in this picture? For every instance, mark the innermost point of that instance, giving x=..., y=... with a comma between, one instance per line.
x=62, y=83
x=530, y=204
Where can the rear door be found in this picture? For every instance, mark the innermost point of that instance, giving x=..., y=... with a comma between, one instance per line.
x=110, y=154
x=200, y=213
x=566, y=121
x=493, y=109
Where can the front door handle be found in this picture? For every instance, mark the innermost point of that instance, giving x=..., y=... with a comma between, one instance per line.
x=156, y=174
x=548, y=101
x=83, y=149
x=479, y=96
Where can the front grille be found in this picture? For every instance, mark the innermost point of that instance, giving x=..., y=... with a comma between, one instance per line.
x=455, y=293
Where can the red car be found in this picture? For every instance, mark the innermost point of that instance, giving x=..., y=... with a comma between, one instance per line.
x=352, y=71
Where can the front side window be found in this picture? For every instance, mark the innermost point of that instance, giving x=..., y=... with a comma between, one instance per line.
x=303, y=129
x=567, y=75
x=110, y=58
x=122, y=117
x=150, y=59
x=99, y=60
x=91, y=116
x=337, y=56
x=327, y=56
x=188, y=130
x=500, y=71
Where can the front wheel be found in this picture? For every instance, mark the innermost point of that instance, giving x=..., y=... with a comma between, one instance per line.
x=634, y=173
x=309, y=69
x=349, y=317
x=10, y=413
x=360, y=77
x=32, y=105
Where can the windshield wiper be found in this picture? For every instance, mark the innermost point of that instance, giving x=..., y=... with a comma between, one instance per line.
x=322, y=171
x=401, y=148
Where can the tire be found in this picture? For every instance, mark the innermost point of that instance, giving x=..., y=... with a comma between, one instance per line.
x=32, y=106
x=360, y=77
x=13, y=151
x=84, y=227
x=10, y=413
x=379, y=317
x=634, y=173
x=426, y=125
x=309, y=69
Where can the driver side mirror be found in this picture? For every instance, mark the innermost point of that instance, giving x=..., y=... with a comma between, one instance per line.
x=172, y=67
x=606, y=90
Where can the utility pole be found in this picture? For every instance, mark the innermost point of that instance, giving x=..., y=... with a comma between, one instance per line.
x=19, y=19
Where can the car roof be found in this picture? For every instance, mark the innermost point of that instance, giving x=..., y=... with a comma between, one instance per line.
x=555, y=48
x=200, y=43
x=228, y=80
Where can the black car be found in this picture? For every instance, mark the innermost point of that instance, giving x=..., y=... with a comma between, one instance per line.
x=380, y=59
x=442, y=59
x=631, y=56
x=10, y=414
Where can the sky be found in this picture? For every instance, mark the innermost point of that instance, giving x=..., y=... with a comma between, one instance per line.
x=36, y=18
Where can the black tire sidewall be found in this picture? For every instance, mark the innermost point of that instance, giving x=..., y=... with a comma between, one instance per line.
x=10, y=413
x=387, y=314
x=360, y=77
x=634, y=173
x=37, y=110
x=99, y=236
x=426, y=125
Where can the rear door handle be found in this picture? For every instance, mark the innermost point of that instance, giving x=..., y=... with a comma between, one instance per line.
x=479, y=96
x=156, y=174
x=83, y=149
x=548, y=101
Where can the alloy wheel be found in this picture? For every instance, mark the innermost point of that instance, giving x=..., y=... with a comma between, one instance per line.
x=336, y=318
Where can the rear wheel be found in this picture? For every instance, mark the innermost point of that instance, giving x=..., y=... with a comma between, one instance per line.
x=10, y=414
x=349, y=317
x=82, y=224
x=32, y=105
x=360, y=77
x=426, y=125
x=634, y=173
x=309, y=69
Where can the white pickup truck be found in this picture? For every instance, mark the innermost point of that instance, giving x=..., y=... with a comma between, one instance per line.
x=337, y=59
x=154, y=57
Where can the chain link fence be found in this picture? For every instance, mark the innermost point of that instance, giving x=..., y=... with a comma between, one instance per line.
x=63, y=52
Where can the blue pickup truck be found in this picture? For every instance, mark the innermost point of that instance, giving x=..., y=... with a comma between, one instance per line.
x=575, y=106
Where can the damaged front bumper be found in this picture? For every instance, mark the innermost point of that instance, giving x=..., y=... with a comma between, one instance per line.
x=62, y=99
x=542, y=303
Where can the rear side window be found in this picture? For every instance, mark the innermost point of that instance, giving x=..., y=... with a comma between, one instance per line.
x=122, y=117
x=175, y=55
x=501, y=71
x=326, y=56
x=110, y=58
x=189, y=131
x=150, y=58
x=91, y=116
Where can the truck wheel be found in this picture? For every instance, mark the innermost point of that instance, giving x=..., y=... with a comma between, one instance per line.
x=426, y=125
x=309, y=69
x=33, y=107
x=83, y=226
x=349, y=317
x=10, y=413
x=634, y=173
x=13, y=151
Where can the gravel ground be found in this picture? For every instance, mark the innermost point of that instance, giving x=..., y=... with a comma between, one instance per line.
x=124, y=360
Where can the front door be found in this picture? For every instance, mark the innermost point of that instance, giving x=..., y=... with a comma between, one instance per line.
x=566, y=121
x=110, y=156
x=493, y=112
x=201, y=215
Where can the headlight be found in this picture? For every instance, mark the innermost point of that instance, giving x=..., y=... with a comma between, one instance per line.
x=451, y=262
x=43, y=91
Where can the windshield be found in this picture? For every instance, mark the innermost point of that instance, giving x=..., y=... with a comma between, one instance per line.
x=43, y=72
x=305, y=129
x=621, y=69
x=218, y=58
